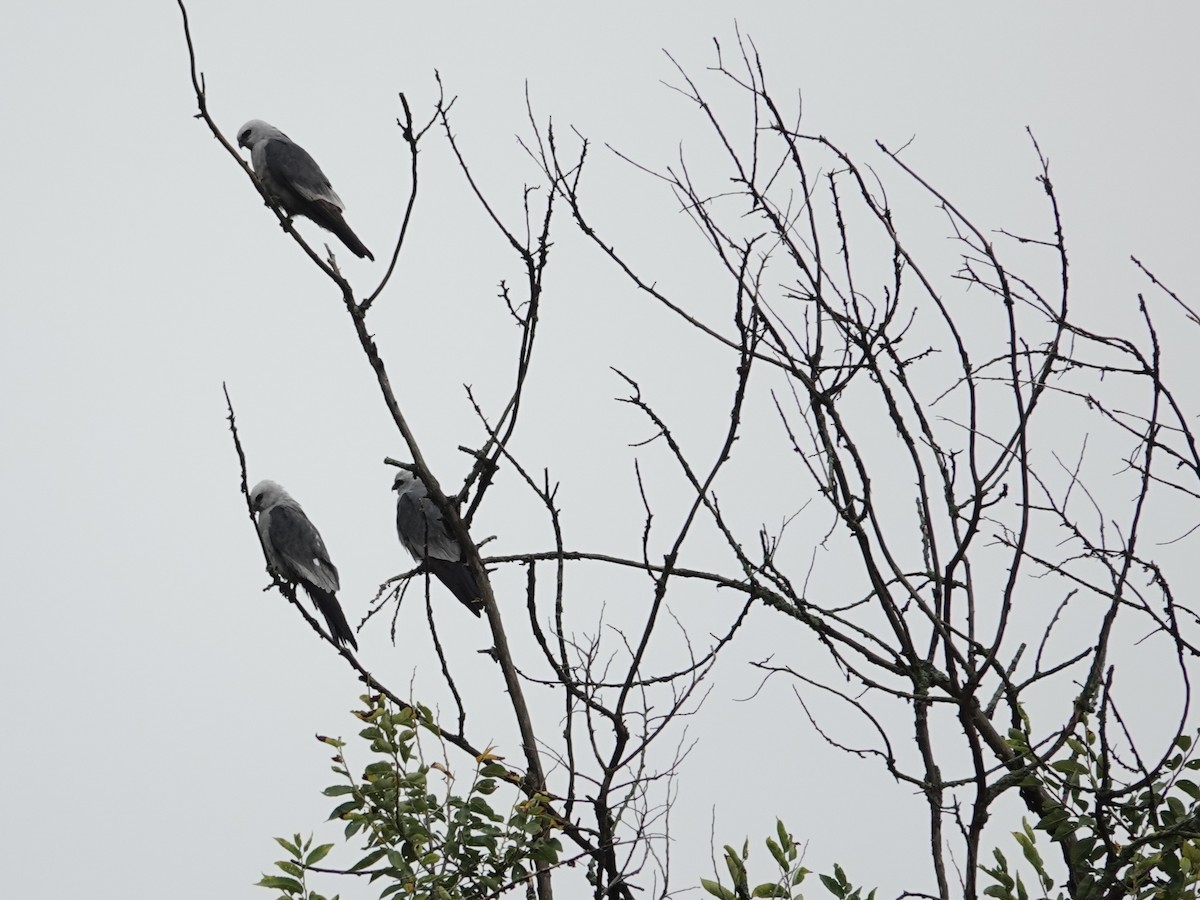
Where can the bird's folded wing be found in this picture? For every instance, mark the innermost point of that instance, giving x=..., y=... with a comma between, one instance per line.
x=291, y=163
x=422, y=530
x=298, y=544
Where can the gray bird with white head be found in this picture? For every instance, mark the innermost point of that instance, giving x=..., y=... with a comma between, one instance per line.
x=295, y=550
x=295, y=181
x=423, y=533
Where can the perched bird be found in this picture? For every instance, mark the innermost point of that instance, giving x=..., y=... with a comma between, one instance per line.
x=296, y=182
x=424, y=534
x=295, y=550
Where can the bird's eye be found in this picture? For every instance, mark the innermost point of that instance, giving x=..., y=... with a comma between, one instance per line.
x=244, y=136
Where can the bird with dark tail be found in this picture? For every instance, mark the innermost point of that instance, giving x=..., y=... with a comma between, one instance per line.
x=295, y=550
x=293, y=180
x=424, y=534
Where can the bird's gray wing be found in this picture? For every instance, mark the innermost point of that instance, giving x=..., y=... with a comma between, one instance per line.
x=421, y=529
x=290, y=163
x=299, y=549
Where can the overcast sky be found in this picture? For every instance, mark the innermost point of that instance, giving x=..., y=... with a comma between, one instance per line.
x=158, y=708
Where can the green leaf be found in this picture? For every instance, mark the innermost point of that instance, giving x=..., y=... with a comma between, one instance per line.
x=369, y=860
x=1031, y=854
x=717, y=889
x=1170, y=865
x=1082, y=849
x=340, y=811
x=770, y=889
x=291, y=848
x=1189, y=788
x=737, y=868
x=336, y=790
x=777, y=853
x=833, y=886
x=544, y=853
x=479, y=805
x=1002, y=877
x=1050, y=821
x=290, y=868
x=1064, y=829
x=1184, y=743
x=1069, y=767
x=318, y=854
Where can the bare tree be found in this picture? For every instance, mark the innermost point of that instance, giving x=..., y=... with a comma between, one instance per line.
x=958, y=426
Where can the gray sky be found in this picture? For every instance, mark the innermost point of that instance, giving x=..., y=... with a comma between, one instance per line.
x=158, y=708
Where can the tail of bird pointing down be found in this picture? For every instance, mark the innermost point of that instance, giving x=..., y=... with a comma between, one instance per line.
x=331, y=219
x=339, y=628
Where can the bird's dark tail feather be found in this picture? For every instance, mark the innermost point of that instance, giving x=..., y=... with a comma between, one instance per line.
x=350, y=239
x=330, y=218
x=339, y=628
x=460, y=580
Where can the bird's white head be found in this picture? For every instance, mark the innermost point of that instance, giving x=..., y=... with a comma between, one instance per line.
x=404, y=480
x=266, y=494
x=256, y=131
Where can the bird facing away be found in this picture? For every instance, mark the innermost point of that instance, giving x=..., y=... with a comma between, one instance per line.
x=295, y=550
x=424, y=534
x=295, y=181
